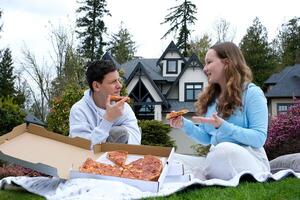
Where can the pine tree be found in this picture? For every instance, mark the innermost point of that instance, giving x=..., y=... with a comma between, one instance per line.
x=289, y=41
x=180, y=18
x=257, y=52
x=6, y=74
x=91, y=27
x=122, y=47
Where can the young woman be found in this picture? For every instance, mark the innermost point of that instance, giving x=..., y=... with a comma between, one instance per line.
x=233, y=116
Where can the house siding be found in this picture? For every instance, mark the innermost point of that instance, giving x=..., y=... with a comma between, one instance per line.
x=179, y=64
x=274, y=102
x=191, y=75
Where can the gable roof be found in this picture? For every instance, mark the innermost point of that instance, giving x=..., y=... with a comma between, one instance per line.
x=274, y=78
x=150, y=66
x=190, y=63
x=171, y=48
x=107, y=56
x=30, y=118
x=139, y=68
x=286, y=83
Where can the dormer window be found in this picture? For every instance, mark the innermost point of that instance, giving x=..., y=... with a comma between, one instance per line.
x=172, y=67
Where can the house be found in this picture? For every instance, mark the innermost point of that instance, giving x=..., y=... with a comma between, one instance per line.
x=282, y=89
x=161, y=85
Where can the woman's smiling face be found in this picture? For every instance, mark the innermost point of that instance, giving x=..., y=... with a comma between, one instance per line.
x=214, y=68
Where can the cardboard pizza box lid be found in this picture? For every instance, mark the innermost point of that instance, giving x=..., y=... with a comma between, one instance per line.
x=36, y=148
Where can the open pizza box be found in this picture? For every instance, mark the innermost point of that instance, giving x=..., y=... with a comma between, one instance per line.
x=57, y=155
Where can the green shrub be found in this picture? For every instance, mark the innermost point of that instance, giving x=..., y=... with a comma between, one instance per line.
x=11, y=114
x=58, y=118
x=284, y=133
x=156, y=133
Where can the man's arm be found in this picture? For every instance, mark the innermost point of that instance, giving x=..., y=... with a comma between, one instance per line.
x=82, y=125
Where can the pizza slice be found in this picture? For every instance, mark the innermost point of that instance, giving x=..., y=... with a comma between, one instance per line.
x=118, y=157
x=176, y=113
x=118, y=98
x=148, y=168
x=91, y=166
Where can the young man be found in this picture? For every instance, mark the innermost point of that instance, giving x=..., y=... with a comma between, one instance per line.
x=98, y=119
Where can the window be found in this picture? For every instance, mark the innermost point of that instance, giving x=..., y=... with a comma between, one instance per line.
x=147, y=109
x=172, y=67
x=283, y=107
x=192, y=90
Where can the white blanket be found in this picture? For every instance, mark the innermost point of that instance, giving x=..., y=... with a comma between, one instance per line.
x=55, y=188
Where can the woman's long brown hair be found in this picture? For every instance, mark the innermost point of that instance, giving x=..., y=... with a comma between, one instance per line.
x=237, y=74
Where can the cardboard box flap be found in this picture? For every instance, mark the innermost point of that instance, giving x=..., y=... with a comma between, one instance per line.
x=18, y=130
x=36, y=145
x=132, y=149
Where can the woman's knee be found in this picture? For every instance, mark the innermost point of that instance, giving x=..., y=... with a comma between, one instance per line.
x=225, y=149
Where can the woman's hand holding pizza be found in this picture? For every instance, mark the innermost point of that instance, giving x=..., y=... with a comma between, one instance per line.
x=175, y=118
x=215, y=120
x=176, y=122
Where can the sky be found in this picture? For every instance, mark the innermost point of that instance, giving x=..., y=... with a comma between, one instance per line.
x=27, y=23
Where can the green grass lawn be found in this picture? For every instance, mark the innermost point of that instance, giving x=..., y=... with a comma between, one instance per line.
x=286, y=189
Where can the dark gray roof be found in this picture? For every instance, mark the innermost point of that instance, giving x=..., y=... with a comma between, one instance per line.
x=176, y=105
x=150, y=66
x=274, y=78
x=288, y=84
x=30, y=118
x=107, y=56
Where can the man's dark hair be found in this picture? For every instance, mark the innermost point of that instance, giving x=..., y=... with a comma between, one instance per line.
x=96, y=70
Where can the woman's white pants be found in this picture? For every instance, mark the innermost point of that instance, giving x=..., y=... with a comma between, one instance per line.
x=226, y=160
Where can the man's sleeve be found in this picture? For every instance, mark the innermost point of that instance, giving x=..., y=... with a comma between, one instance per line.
x=81, y=127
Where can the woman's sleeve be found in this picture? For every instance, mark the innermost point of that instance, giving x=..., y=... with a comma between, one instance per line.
x=257, y=117
x=196, y=132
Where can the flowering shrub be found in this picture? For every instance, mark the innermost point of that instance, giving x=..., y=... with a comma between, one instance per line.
x=58, y=118
x=284, y=133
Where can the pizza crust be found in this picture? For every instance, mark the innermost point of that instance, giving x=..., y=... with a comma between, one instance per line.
x=176, y=113
x=119, y=98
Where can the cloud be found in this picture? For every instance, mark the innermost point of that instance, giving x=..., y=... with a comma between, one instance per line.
x=39, y=7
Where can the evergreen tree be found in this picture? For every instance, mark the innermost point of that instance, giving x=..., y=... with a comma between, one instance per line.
x=180, y=18
x=122, y=47
x=257, y=52
x=91, y=27
x=289, y=41
x=6, y=74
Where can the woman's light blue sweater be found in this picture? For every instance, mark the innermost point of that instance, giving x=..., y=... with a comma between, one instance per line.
x=246, y=126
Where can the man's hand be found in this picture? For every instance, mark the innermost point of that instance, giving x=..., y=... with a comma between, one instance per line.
x=113, y=111
x=215, y=120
